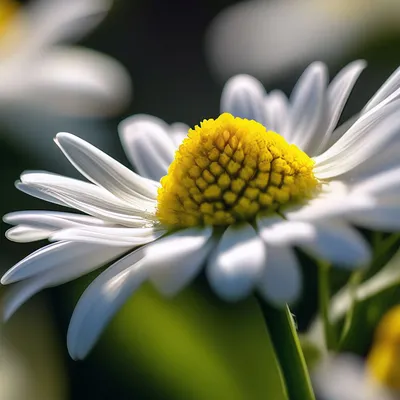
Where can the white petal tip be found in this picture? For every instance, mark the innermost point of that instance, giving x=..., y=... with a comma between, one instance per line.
x=5, y=279
x=62, y=136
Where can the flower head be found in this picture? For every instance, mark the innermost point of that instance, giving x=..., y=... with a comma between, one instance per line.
x=229, y=170
x=236, y=194
x=348, y=377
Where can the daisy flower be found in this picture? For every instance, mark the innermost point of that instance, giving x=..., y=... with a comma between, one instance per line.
x=231, y=195
x=36, y=67
x=348, y=377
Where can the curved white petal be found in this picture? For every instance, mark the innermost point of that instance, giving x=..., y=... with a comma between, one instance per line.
x=103, y=170
x=113, y=236
x=86, y=197
x=335, y=200
x=243, y=96
x=308, y=102
x=337, y=243
x=281, y=280
x=51, y=219
x=276, y=231
x=329, y=240
x=379, y=163
x=101, y=300
x=174, y=261
x=26, y=234
x=78, y=82
x=384, y=184
x=276, y=108
x=20, y=292
x=237, y=262
x=38, y=193
x=51, y=21
x=337, y=94
x=391, y=85
x=147, y=145
x=381, y=215
x=52, y=256
x=371, y=133
x=339, y=132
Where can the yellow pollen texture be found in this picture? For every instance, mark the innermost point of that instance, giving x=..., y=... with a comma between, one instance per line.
x=228, y=170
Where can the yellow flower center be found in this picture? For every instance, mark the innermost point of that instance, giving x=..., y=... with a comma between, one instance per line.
x=229, y=170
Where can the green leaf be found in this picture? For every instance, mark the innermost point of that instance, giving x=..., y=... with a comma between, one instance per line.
x=193, y=346
x=283, y=332
x=312, y=353
x=324, y=297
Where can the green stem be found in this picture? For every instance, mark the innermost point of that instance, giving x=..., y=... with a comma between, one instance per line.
x=282, y=330
x=324, y=298
x=354, y=281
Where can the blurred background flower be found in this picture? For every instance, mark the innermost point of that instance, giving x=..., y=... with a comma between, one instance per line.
x=349, y=377
x=37, y=68
x=268, y=39
x=51, y=83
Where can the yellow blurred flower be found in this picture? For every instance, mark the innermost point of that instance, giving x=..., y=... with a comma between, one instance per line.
x=383, y=359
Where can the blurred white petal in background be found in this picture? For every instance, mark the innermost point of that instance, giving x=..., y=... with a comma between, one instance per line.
x=344, y=377
x=270, y=38
x=38, y=69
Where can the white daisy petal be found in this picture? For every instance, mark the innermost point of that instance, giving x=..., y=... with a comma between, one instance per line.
x=381, y=215
x=337, y=243
x=88, y=198
x=237, y=262
x=174, y=261
x=281, y=280
x=338, y=92
x=147, y=145
x=109, y=236
x=276, y=231
x=103, y=170
x=276, y=106
x=384, y=184
x=20, y=292
x=58, y=185
x=334, y=201
x=26, y=234
x=243, y=96
x=56, y=20
x=51, y=220
x=371, y=133
x=307, y=106
x=101, y=300
x=381, y=162
x=38, y=193
x=339, y=132
x=48, y=257
x=77, y=82
x=329, y=240
x=391, y=85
